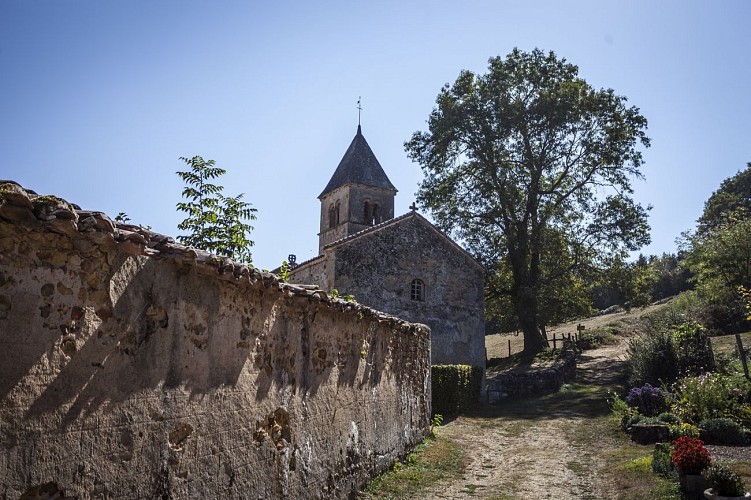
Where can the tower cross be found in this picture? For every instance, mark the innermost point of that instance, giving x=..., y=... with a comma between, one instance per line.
x=359, y=109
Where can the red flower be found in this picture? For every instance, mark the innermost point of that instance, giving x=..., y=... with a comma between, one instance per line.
x=690, y=455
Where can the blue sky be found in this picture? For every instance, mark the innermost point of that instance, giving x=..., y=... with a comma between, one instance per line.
x=98, y=99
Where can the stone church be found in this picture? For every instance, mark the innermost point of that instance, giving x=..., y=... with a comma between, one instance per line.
x=403, y=265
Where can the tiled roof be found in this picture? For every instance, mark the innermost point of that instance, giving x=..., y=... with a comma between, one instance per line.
x=305, y=263
x=359, y=166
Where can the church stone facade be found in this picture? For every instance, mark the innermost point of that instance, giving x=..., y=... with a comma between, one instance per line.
x=404, y=266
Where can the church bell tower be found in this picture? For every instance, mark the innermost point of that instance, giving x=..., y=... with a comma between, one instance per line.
x=358, y=196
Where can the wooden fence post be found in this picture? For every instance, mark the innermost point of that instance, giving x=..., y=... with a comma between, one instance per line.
x=710, y=354
x=742, y=352
x=579, y=329
x=509, y=348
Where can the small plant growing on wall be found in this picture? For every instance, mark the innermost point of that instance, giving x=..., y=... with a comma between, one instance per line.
x=284, y=271
x=334, y=294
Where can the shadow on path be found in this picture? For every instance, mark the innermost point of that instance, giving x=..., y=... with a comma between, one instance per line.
x=586, y=397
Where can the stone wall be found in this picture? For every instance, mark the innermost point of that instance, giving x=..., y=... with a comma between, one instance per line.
x=520, y=383
x=135, y=367
x=315, y=272
x=378, y=269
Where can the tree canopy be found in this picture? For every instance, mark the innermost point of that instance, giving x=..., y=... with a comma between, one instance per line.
x=529, y=157
x=215, y=223
x=719, y=251
x=732, y=197
x=721, y=260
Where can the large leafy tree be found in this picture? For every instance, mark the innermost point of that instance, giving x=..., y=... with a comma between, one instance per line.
x=625, y=283
x=215, y=223
x=671, y=277
x=565, y=289
x=731, y=200
x=525, y=153
x=720, y=259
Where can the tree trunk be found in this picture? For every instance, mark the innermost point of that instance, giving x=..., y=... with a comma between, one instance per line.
x=525, y=305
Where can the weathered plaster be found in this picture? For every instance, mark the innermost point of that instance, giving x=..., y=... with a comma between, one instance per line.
x=135, y=367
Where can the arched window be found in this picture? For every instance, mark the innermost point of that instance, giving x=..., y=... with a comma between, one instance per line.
x=332, y=216
x=376, y=214
x=417, y=290
x=338, y=206
x=366, y=214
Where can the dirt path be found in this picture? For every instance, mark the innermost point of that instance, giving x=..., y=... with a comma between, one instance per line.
x=544, y=447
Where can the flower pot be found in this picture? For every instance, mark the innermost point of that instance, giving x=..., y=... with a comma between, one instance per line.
x=710, y=494
x=694, y=485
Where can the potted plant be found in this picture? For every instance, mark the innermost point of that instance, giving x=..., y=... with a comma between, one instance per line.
x=725, y=483
x=690, y=457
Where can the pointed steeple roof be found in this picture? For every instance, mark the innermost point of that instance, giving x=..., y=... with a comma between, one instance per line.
x=359, y=166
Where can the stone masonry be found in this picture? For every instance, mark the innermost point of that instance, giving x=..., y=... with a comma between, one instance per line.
x=377, y=266
x=134, y=367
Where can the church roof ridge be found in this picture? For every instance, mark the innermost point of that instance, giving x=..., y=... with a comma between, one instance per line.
x=309, y=261
x=395, y=220
x=359, y=165
x=370, y=229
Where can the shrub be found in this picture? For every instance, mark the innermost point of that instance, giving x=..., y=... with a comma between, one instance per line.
x=669, y=418
x=690, y=455
x=661, y=463
x=652, y=358
x=648, y=400
x=727, y=317
x=723, y=431
x=691, y=346
x=724, y=481
x=455, y=387
x=623, y=411
x=707, y=396
x=667, y=350
x=739, y=388
x=644, y=420
x=727, y=362
x=686, y=305
x=678, y=431
x=590, y=339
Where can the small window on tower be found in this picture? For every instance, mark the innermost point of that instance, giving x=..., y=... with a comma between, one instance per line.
x=338, y=206
x=367, y=217
x=332, y=216
x=417, y=290
x=376, y=214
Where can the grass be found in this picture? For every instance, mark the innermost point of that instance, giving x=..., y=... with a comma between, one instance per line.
x=603, y=330
x=625, y=465
x=726, y=344
x=432, y=461
x=470, y=489
x=631, y=473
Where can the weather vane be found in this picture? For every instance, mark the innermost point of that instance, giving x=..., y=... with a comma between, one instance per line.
x=359, y=109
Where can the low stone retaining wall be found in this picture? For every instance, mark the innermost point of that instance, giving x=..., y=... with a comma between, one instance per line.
x=530, y=382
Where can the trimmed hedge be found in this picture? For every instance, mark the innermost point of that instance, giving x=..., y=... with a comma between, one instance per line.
x=455, y=387
x=723, y=431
